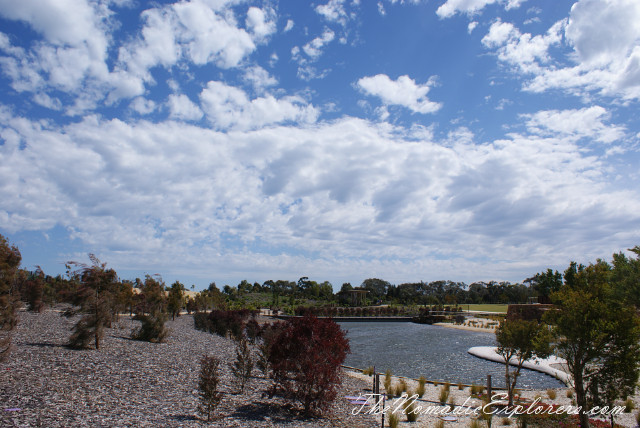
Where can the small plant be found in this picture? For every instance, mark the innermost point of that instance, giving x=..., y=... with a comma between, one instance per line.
x=460, y=386
x=436, y=383
x=387, y=381
x=476, y=389
x=475, y=424
x=368, y=371
x=394, y=420
x=152, y=328
x=447, y=386
x=569, y=393
x=551, y=393
x=208, y=385
x=628, y=405
x=243, y=365
x=444, y=394
x=421, y=386
x=452, y=402
x=410, y=410
x=439, y=424
x=506, y=421
x=403, y=386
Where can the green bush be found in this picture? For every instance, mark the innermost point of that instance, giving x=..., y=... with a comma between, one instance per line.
x=152, y=328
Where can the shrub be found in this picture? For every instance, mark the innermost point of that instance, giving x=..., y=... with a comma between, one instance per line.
x=476, y=389
x=208, y=385
x=475, y=424
x=305, y=358
x=444, y=394
x=551, y=393
x=439, y=424
x=394, y=420
x=201, y=321
x=402, y=385
x=387, y=382
x=243, y=365
x=569, y=393
x=268, y=333
x=460, y=386
x=152, y=328
x=447, y=386
x=410, y=410
x=628, y=405
x=368, y=371
x=506, y=421
x=421, y=386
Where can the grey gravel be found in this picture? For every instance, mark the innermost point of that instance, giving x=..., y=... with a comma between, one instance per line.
x=129, y=383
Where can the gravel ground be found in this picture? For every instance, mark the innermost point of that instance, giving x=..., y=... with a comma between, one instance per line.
x=129, y=383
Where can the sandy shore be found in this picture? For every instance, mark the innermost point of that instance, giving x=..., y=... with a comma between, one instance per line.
x=466, y=404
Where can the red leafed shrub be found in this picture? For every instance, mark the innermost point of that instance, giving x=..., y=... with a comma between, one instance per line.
x=305, y=358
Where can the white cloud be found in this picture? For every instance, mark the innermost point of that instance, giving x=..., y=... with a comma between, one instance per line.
x=259, y=78
x=169, y=195
x=314, y=47
x=605, y=42
x=142, y=105
x=182, y=108
x=404, y=92
x=72, y=56
x=289, y=25
x=471, y=7
x=229, y=107
x=472, y=26
x=262, y=23
x=333, y=11
x=582, y=123
x=522, y=50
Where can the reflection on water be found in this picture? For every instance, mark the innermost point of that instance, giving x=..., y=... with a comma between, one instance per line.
x=437, y=353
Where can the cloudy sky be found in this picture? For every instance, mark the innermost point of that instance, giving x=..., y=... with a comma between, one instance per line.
x=221, y=140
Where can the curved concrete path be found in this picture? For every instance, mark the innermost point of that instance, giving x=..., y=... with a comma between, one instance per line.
x=541, y=365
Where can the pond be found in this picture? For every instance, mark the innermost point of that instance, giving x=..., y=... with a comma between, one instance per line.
x=437, y=353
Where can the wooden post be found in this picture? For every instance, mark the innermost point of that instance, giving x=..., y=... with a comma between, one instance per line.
x=489, y=387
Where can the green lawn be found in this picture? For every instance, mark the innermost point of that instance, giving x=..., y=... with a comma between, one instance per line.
x=486, y=308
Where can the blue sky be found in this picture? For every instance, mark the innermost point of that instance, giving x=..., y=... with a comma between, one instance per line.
x=213, y=140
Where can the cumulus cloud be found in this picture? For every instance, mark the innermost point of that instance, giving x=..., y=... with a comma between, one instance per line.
x=259, y=78
x=582, y=123
x=404, y=92
x=229, y=107
x=74, y=53
x=471, y=7
x=605, y=41
x=171, y=194
x=182, y=108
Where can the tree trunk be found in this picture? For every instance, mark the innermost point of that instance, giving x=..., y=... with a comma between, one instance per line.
x=581, y=399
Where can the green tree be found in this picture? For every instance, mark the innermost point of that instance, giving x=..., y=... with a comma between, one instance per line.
x=521, y=340
x=96, y=299
x=546, y=283
x=596, y=333
x=10, y=258
x=175, y=301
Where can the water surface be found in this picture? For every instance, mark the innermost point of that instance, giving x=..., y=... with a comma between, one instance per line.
x=437, y=353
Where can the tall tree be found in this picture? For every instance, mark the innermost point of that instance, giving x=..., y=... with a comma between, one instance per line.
x=96, y=294
x=175, y=300
x=10, y=258
x=593, y=332
x=521, y=340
